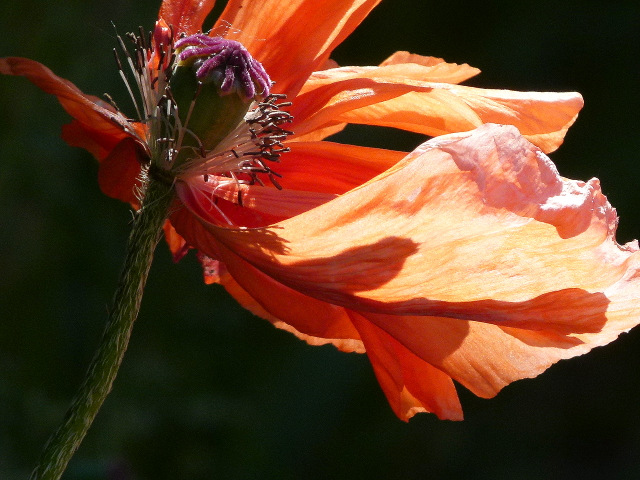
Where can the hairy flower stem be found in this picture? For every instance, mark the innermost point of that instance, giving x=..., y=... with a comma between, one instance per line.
x=146, y=232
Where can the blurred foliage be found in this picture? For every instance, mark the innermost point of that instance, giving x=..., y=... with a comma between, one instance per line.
x=207, y=390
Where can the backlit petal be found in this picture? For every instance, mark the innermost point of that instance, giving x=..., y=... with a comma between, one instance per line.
x=313, y=173
x=438, y=69
x=185, y=16
x=312, y=320
x=485, y=357
x=475, y=226
x=410, y=384
x=95, y=142
x=89, y=111
x=294, y=38
x=178, y=246
x=366, y=95
x=220, y=197
x=333, y=167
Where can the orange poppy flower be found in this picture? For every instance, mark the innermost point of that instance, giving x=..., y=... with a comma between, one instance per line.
x=468, y=259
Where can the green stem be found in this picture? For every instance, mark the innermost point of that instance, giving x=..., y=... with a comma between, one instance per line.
x=145, y=234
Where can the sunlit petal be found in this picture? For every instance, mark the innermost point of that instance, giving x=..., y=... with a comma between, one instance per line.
x=272, y=31
x=185, y=16
x=410, y=384
x=390, y=97
x=478, y=226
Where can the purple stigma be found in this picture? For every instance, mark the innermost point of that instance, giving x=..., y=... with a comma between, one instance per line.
x=224, y=61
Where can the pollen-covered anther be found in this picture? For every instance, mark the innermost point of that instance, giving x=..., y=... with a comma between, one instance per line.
x=225, y=62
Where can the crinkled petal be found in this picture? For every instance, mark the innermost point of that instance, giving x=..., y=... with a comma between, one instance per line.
x=391, y=96
x=92, y=113
x=294, y=38
x=475, y=226
x=185, y=16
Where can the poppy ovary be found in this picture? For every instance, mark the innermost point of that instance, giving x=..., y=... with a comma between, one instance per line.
x=225, y=63
x=213, y=84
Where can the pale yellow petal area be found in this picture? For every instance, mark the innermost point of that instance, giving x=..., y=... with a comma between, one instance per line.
x=294, y=38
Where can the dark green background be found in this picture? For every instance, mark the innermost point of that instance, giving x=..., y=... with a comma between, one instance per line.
x=208, y=391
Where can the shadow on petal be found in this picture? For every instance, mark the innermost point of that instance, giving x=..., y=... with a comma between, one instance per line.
x=564, y=312
x=359, y=268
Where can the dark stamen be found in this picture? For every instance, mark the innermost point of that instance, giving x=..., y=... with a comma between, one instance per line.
x=111, y=101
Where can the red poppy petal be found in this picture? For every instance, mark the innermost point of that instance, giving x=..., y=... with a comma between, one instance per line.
x=410, y=384
x=94, y=141
x=485, y=357
x=185, y=16
x=476, y=226
x=319, y=108
x=92, y=113
x=312, y=174
x=219, y=201
x=188, y=227
x=385, y=96
x=178, y=246
x=272, y=31
x=312, y=320
x=332, y=167
x=317, y=323
x=119, y=173
x=542, y=117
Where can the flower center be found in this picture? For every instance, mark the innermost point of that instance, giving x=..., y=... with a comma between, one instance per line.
x=207, y=106
x=224, y=62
